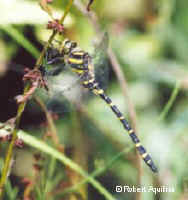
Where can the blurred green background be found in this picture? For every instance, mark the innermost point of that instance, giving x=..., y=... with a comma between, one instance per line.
x=150, y=41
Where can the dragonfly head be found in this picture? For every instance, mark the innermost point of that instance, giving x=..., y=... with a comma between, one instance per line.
x=68, y=46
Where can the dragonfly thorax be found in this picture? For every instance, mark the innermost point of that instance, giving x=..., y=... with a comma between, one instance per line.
x=76, y=58
x=68, y=46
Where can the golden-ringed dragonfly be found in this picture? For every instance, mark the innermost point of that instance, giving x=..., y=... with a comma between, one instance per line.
x=81, y=63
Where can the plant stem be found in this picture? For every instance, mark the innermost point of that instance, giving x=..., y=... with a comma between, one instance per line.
x=98, y=171
x=21, y=109
x=66, y=11
x=10, y=148
x=170, y=101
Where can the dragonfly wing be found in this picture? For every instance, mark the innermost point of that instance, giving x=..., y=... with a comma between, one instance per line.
x=100, y=61
x=64, y=89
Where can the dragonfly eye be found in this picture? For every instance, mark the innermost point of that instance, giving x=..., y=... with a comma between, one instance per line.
x=66, y=46
x=73, y=45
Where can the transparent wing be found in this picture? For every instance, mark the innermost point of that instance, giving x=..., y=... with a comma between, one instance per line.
x=100, y=61
x=64, y=89
x=102, y=45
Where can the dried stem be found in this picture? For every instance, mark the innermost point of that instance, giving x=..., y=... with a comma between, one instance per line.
x=131, y=110
x=51, y=124
x=119, y=73
x=66, y=11
x=22, y=106
x=79, y=153
x=11, y=145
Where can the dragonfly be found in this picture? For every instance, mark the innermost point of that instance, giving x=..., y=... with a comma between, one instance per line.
x=80, y=62
x=64, y=85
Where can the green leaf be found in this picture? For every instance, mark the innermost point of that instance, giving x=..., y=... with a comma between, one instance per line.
x=40, y=145
x=19, y=37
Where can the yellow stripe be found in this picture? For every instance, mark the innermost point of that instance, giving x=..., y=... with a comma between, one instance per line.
x=131, y=131
x=121, y=117
x=138, y=144
x=78, y=53
x=144, y=155
x=91, y=80
x=85, y=82
x=149, y=161
x=75, y=61
x=90, y=67
x=95, y=91
x=100, y=91
x=77, y=71
x=111, y=104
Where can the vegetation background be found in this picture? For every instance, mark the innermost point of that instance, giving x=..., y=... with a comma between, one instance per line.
x=149, y=40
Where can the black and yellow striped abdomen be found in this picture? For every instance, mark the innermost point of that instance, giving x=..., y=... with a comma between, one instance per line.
x=78, y=60
x=93, y=86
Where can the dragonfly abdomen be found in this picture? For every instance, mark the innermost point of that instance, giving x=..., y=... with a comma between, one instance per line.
x=79, y=60
x=93, y=86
